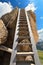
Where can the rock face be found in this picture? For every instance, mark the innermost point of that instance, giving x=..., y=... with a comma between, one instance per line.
x=24, y=47
x=9, y=20
x=32, y=19
x=29, y=58
x=3, y=32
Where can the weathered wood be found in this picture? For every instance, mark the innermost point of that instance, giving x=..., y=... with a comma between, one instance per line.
x=24, y=44
x=25, y=53
x=13, y=57
x=36, y=58
x=22, y=53
x=3, y=48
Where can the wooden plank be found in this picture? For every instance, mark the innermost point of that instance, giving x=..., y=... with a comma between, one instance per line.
x=24, y=44
x=3, y=48
x=23, y=25
x=23, y=37
x=32, y=64
x=25, y=53
x=22, y=20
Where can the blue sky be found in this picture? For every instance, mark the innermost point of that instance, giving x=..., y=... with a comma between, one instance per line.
x=38, y=4
x=19, y=3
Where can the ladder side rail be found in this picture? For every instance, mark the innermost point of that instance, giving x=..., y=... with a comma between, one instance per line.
x=14, y=52
x=36, y=58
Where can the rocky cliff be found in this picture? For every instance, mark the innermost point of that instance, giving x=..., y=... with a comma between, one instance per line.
x=32, y=19
x=3, y=32
x=8, y=24
x=10, y=20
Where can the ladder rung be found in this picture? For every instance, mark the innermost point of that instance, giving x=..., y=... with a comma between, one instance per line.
x=20, y=34
x=23, y=37
x=23, y=31
x=25, y=53
x=23, y=28
x=23, y=17
x=22, y=20
x=23, y=25
x=24, y=34
x=24, y=44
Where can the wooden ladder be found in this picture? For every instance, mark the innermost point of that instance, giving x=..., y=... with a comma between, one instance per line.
x=23, y=32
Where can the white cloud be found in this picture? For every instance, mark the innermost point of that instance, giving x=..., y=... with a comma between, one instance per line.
x=40, y=32
x=5, y=8
x=31, y=6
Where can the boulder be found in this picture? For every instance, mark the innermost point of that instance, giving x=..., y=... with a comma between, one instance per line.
x=3, y=32
x=10, y=20
x=29, y=58
x=25, y=47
